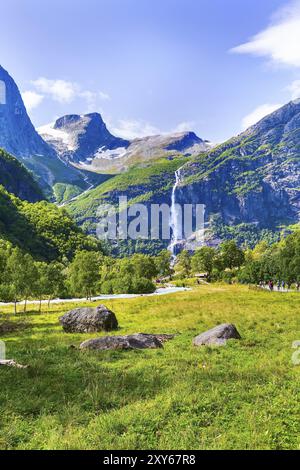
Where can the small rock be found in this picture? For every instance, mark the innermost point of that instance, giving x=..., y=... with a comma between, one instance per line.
x=11, y=363
x=217, y=336
x=89, y=320
x=135, y=341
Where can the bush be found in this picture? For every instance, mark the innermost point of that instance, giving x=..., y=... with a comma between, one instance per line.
x=127, y=285
x=141, y=285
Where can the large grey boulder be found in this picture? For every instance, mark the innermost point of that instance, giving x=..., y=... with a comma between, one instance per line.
x=217, y=336
x=135, y=341
x=89, y=320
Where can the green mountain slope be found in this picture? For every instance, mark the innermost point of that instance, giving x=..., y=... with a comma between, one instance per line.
x=16, y=179
x=42, y=229
x=250, y=184
x=147, y=183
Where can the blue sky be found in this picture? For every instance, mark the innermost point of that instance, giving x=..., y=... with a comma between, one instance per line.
x=154, y=65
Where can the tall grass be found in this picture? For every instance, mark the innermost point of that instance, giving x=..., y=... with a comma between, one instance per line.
x=242, y=396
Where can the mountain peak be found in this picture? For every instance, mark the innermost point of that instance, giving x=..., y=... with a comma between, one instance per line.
x=74, y=119
x=17, y=134
x=81, y=137
x=284, y=119
x=19, y=138
x=66, y=121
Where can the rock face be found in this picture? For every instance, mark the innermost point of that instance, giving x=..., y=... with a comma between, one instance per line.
x=89, y=320
x=250, y=182
x=17, y=134
x=136, y=341
x=217, y=336
x=80, y=139
x=19, y=137
x=86, y=141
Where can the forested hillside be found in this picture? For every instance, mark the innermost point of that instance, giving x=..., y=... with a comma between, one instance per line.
x=17, y=179
x=41, y=229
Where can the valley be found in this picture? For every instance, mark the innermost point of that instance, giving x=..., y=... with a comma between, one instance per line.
x=149, y=276
x=249, y=184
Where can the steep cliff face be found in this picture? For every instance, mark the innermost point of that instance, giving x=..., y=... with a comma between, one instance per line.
x=17, y=134
x=80, y=139
x=19, y=137
x=17, y=180
x=253, y=178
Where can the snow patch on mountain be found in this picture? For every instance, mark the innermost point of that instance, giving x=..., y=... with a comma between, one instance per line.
x=57, y=137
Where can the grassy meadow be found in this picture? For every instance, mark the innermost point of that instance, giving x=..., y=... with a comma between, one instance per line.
x=242, y=396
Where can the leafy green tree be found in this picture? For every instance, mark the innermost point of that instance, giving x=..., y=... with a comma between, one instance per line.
x=84, y=273
x=230, y=255
x=183, y=263
x=22, y=275
x=203, y=261
x=55, y=282
x=143, y=266
x=163, y=263
x=41, y=284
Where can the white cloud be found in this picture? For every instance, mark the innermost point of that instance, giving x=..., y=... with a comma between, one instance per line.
x=259, y=113
x=279, y=42
x=294, y=89
x=184, y=126
x=32, y=99
x=59, y=90
x=66, y=92
x=131, y=129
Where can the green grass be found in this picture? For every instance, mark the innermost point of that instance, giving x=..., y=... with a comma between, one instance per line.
x=243, y=396
x=155, y=177
x=65, y=192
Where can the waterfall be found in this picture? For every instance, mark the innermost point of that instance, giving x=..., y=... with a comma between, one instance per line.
x=175, y=223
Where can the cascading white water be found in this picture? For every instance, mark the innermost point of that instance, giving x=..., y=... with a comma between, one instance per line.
x=175, y=223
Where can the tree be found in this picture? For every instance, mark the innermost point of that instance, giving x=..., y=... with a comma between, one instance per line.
x=203, y=260
x=84, y=273
x=183, y=263
x=163, y=263
x=22, y=275
x=55, y=283
x=50, y=281
x=41, y=284
x=230, y=255
x=143, y=266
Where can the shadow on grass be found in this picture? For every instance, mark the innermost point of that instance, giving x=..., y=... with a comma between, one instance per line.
x=59, y=377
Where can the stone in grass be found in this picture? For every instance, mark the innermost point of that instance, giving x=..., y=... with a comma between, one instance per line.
x=217, y=336
x=11, y=363
x=89, y=320
x=135, y=341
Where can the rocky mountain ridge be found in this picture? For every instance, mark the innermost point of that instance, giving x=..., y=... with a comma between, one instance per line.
x=86, y=142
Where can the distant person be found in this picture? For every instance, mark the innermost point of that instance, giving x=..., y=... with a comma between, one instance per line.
x=283, y=285
x=271, y=286
x=278, y=285
x=298, y=286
